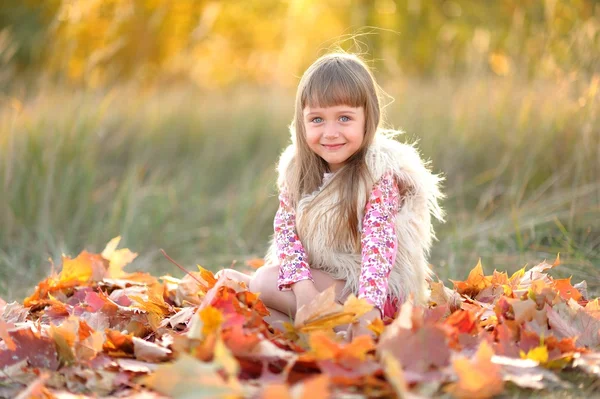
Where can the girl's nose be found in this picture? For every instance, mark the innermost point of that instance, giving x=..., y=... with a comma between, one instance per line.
x=331, y=130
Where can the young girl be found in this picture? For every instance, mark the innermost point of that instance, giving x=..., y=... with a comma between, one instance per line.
x=355, y=205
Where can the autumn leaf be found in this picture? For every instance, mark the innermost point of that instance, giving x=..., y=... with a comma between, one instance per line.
x=84, y=268
x=566, y=290
x=5, y=336
x=571, y=320
x=117, y=258
x=478, y=378
x=198, y=337
x=38, y=350
x=376, y=326
x=475, y=282
x=206, y=321
x=255, y=263
x=538, y=354
x=323, y=312
x=187, y=378
x=316, y=387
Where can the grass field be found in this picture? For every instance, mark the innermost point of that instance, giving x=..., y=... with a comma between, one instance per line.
x=193, y=173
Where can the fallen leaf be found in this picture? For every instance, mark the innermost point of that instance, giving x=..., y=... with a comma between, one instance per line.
x=38, y=350
x=566, y=290
x=255, y=263
x=475, y=282
x=394, y=374
x=5, y=336
x=478, y=378
x=149, y=352
x=187, y=378
x=118, y=258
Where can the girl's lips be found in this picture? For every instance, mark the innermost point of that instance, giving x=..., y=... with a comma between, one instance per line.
x=333, y=147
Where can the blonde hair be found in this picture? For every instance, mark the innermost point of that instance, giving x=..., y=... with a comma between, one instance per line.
x=334, y=79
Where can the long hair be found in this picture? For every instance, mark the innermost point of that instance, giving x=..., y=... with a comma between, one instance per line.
x=334, y=79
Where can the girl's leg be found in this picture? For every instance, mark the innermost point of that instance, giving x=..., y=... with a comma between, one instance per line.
x=264, y=281
x=277, y=318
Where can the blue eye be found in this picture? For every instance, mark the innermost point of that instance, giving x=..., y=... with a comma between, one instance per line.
x=317, y=120
x=345, y=118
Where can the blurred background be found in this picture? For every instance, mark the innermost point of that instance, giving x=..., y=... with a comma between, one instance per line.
x=162, y=121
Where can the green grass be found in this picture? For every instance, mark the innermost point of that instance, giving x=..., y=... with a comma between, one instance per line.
x=194, y=173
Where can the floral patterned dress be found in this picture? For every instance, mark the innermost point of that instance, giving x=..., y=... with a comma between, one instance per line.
x=378, y=245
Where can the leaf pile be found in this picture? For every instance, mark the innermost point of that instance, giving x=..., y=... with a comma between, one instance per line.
x=94, y=330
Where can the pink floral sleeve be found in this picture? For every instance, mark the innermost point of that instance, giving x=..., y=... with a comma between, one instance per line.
x=293, y=263
x=379, y=242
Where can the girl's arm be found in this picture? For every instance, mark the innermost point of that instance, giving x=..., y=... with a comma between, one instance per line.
x=379, y=241
x=293, y=263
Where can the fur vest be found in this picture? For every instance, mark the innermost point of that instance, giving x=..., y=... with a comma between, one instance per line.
x=414, y=229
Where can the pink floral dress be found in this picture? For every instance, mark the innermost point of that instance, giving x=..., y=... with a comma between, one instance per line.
x=378, y=243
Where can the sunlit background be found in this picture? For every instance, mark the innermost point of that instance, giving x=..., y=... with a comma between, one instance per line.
x=161, y=121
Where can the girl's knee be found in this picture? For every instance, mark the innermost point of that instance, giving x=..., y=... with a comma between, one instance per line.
x=264, y=281
x=262, y=278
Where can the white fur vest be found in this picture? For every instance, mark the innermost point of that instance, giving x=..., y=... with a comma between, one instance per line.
x=414, y=229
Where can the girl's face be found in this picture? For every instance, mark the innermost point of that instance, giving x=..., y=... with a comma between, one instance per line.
x=334, y=133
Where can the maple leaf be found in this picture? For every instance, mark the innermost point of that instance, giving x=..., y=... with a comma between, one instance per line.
x=149, y=351
x=538, y=354
x=118, y=258
x=566, y=290
x=394, y=374
x=571, y=320
x=225, y=359
x=442, y=295
x=239, y=341
x=5, y=336
x=475, y=282
x=118, y=344
x=86, y=267
x=325, y=348
x=593, y=308
x=187, y=378
x=316, y=387
x=478, y=378
x=424, y=347
x=255, y=263
x=38, y=350
x=205, y=322
x=323, y=312
x=276, y=391
x=525, y=373
x=357, y=306
x=376, y=326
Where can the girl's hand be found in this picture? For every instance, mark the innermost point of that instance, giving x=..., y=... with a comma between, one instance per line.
x=305, y=292
x=233, y=275
x=360, y=327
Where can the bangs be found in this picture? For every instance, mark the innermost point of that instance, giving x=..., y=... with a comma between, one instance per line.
x=330, y=85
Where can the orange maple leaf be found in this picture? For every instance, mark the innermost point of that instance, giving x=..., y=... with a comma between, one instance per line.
x=478, y=378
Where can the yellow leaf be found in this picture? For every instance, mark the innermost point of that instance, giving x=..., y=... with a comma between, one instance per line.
x=394, y=374
x=118, y=258
x=204, y=322
x=539, y=354
x=323, y=347
x=376, y=326
x=78, y=270
x=357, y=306
x=323, y=312
x=225, y=359
x=517, y=275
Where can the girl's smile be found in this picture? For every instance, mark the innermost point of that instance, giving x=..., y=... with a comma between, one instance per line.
x=333, y=147
x=334, y=133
